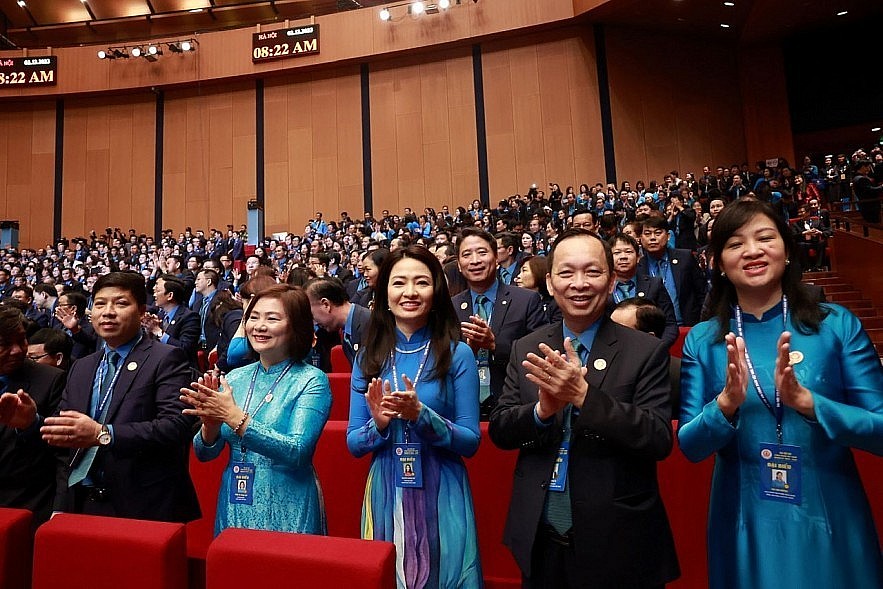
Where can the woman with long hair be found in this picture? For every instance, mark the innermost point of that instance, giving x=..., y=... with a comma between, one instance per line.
x=415, y=401
x=776, y=381
x=371, y=264
x=271, y=414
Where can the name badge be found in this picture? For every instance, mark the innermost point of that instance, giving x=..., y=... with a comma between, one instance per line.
x=780, y=466
x=559, y=471
x=242, y=483
x=409, y=474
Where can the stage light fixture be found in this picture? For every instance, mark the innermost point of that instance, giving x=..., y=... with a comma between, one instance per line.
x=153, y=50
x=102, y=54
x=416, y=7
x=186, y=46
x=137, y=52
x=385, y=14
x=444, y=4
x=175, y=47
x=21, y=3
x=119, y=53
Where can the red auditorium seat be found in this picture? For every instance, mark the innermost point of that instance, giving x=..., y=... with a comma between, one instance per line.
x=15, y=548
x=277, y=559
x=343, y=481
x=339, y=361
x=207, y=481
x=677, y=348
x=74, y=551
x=340, y=395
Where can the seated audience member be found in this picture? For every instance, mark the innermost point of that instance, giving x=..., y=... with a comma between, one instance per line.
x=271, y=415
x=174, y=324
x=125, y=440
x=629, y=284
x=70, y=312
x=226, y=315
x=676, y=268
x=25, y=294
x=29, y=389
x=371, y=263
x=51, y=347
x=811, y=236
x=590, y=428
x=238, y=352
x=532, y=276
x=642, y=314
x=333, y=313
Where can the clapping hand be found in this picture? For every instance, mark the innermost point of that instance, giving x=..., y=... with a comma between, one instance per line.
x=560, y=378
x=17, y=410
x=792, y=393
x=733, y=395
x=402, y=404
x=374, y=398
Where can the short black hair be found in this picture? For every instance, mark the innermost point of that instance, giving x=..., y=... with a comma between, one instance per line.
x=53, y=340
x=132, y=282
x=327, y=287
x=648, y=317
x=174, y=286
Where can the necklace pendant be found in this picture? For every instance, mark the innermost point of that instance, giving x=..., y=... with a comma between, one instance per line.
x=268, y=398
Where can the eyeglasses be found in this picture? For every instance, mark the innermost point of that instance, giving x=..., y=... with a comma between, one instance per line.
x=36, y=357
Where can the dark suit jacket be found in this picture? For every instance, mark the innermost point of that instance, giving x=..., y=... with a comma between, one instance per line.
x=689, y=282
x=27, y=465
x=621, y=532
x=683, y=225
x=183, y=331
x=146, y=467
x=361, y=315
x=229, y=326
x=517, y=312
x=651, y=287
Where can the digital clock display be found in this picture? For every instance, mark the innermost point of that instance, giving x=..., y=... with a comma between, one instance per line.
x=29, y=71
x=284, y=43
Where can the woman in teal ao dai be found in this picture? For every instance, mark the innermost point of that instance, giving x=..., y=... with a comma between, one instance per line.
x=414, y=383
x=775, y=521
x=271, y=414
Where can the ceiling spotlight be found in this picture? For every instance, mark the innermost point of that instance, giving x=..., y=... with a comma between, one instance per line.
x=843, y=13
x=195, y=10
x=444, y=4
x=416, y=8
x=137, y=52
x=21, y=3
x=875, y=130
x=102, y=54
x=153, y=50
x=186, y=46
x=725, y=26
x=385, y=14
x=729, y=3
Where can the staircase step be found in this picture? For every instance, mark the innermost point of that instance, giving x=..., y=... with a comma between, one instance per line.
x=837, y=287
x=862, y=313
x=836, y=297
x=872, y=322
x=876, y=335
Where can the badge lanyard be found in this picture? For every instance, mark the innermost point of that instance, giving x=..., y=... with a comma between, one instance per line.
x=395, y=377
x=267, y=398
x=778, y=412
x=102, y=373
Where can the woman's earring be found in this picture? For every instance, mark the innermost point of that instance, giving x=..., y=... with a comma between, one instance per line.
x=787, y=261
x=723, y=274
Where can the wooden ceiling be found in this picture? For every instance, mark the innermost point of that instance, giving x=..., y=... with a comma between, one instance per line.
x=58, y=23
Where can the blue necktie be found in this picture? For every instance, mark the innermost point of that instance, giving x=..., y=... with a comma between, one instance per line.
x=481, y=304
x=82, y=469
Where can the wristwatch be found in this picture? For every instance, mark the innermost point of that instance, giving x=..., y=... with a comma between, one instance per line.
x=104, y=437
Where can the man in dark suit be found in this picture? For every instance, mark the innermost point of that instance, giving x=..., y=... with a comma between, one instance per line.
x=27, y=389
x=682, y=220
x=121, y=419
x=25, y=294
x=204, y=291
x=333, y=312
x=492, y=314
x=590, y=427
x=630, y=285
x=677, y=268
x=174, y=324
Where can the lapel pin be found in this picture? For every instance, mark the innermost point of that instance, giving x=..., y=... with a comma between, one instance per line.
x=503, y=302
x=795, y=357
x=131, y=366
x=674, y=261
x=356, y=347
x=600, y=364
x=640, y=294
x=464, y=305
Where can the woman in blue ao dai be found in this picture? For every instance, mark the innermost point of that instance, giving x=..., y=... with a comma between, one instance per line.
x=415, y=408
x=271, y=414
x=780, y=388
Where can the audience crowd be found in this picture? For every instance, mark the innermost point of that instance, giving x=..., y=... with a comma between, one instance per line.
x=493, y=277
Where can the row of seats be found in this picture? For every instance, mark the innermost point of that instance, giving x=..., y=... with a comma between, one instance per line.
x=83, y=552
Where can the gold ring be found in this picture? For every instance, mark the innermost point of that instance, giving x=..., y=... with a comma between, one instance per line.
x=548, y=377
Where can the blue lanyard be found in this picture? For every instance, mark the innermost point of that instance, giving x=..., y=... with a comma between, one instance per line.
x=102, y=371
x=267, y=398
x=778, y=413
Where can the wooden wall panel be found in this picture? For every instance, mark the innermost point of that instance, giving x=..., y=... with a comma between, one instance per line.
x=542, y=112
x=27, y=153
x=208, y=156
x=766, y=112
x=423, y=138
x=108, y=164
x=313, y=148
x=676, y=104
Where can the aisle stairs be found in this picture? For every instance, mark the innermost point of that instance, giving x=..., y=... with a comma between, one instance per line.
x=839, y=291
